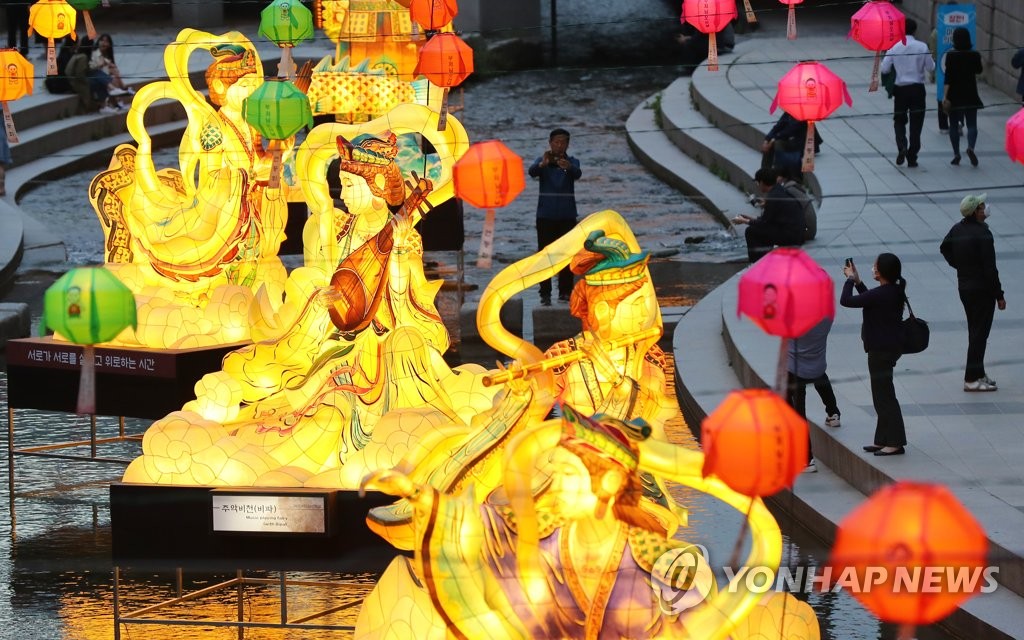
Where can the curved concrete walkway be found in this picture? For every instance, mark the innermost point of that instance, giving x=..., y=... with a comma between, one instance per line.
x=973, y=443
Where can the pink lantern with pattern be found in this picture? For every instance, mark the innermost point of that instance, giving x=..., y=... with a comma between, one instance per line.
x=810, y=92
x=1015, y=137
x=877, y=26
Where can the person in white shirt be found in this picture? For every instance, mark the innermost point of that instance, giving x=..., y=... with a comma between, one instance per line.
x=912, y=63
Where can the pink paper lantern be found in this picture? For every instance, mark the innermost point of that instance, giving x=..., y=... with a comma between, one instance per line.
x=810, y=92
x=710, y=17
x=786, y=293
x=877, y=26
x=1015, y=137
x=791, y=18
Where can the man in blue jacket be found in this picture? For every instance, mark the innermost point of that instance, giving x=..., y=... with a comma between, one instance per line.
x=556, y=204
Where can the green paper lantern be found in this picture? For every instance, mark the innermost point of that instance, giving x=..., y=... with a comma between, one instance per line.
x=278, y=110
x=286, y=23
x=88, y=306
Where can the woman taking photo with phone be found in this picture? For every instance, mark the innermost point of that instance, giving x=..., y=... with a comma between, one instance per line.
x=880, y=331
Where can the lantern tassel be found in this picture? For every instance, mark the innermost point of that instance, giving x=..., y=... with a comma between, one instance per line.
x=483, y=260
x=782, y=369
x=874, y=72
x=791, y=23
x=751, y=17
x=51, y=58
x=87, y=383
x=274, y=181
x=286, y=68
x=712, y=52
x=808, y=163
x=90, y=29
x=442, y=119
x=12, y=135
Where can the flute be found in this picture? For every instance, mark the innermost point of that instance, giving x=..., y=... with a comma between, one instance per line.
x=515, y=373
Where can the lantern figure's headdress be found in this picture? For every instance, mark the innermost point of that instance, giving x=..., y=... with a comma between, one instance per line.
x=609, y=261
x=609, y=438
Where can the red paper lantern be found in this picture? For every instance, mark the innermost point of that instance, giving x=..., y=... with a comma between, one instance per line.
x=433, y=14
x=791, y=18
x=754, y=442
x=710, y=17
x=490, y=175
x=786, y=293
x=18, y=74
x=899, y=539
x=877, y=26
x=1015, y=137
x=446, y=61
x=810, y=92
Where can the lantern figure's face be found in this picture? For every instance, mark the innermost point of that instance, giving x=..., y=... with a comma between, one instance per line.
x=61, y=21
x=356, y=195
x=73, y=297
x=286, y=11
x=771, y=298
x=812, y=88
x=12, y=74
x=570, y=493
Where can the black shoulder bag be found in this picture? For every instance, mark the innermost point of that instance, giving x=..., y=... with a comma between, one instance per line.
x=915, y=332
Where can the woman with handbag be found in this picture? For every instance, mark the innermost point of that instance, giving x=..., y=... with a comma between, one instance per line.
x=881, y=333
x=963, y=64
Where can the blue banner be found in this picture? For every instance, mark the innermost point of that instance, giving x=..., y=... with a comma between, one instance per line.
x=949, y=17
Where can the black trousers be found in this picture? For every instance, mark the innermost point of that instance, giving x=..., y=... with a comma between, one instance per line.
x=980, y=308
x=17, y=27
x=547, y=232
x=889, y=428
x=908, y=106
x=796, y=392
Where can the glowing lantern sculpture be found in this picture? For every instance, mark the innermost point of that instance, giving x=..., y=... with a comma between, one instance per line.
x=286, y=23
x=52, y=19
x=921, y=550
x=490, y=175
x=17, y=82
x=432, y=15
x=791, y=18
x=85, y=6
x=810, y=92
x=278, y=110
x=88, y=306
x=1015, y=137
x=754, y=442
x=710, y=17
x=446, y=61
x=877, y=26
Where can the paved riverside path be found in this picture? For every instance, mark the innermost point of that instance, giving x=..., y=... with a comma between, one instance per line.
x=971, y=442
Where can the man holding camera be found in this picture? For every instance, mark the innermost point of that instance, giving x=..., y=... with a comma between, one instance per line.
x=781, y=222
x=556, y=205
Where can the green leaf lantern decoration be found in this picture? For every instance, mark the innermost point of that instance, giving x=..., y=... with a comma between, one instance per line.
x=278, y=110
x=85, y=6
x=286, y=23
x=88, y=306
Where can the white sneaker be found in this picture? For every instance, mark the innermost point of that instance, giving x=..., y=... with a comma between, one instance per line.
x=980, y=385
x=832, y=421
x=109, y=110
x=990, y=381
x=114, y=91
x=811, y=467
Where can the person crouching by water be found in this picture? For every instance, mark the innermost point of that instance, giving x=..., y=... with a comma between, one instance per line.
x=780, y=224
x=880, y=331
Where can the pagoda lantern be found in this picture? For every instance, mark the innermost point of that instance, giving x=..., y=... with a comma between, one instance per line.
x=446, y=61
x=52, y=19
x=17, y=82
x=286, y=23
x=877, y=26
x=489, y=176
x=810, y=92
x=710, y=17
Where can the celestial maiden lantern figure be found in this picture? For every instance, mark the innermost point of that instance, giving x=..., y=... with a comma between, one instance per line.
x=490, y=175
x=446, y=61
x=877, y=26
x=810, y=92
x=17, y=82
x=286, y=23
x=1015, y=137
x=52, y=19
x=278, y=110
x=710, y=17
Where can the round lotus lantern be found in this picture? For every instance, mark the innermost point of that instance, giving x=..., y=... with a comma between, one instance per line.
x=17, y=82
x=88, y=306
x=710, y=17
x=52, y=19
x=916, y=550
x=1015, y=137
x=810, y=92
x=432, y=15
x=278, y=110
x=490, y=175
x=286, y=23
x=446, y=61
x=754, y=442
x=85, y=6
x=877, y=26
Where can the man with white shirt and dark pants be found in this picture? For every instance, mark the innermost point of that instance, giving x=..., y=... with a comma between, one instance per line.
x=912, y=63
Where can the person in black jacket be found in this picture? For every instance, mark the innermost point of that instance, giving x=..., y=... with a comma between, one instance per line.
x=963, y=65
x=880, y=331
x=970, y=249
x=781, y=223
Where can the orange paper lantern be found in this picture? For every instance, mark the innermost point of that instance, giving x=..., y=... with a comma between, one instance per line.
x=446, y=61
x=786, y=293
x=17, y=82
x=914, y=552
x=754, y=442
x=791, y=18
x=52, y=19
x=490, y=175
x=877, y=26
x=810, y=92
x=433, y=14
x=710, y=17
x=1015, y=137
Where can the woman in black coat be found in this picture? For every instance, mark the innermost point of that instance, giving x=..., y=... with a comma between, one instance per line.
x=963, y=64
x=881, y=331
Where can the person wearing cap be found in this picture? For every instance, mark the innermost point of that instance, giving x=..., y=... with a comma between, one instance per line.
x=970, y=249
